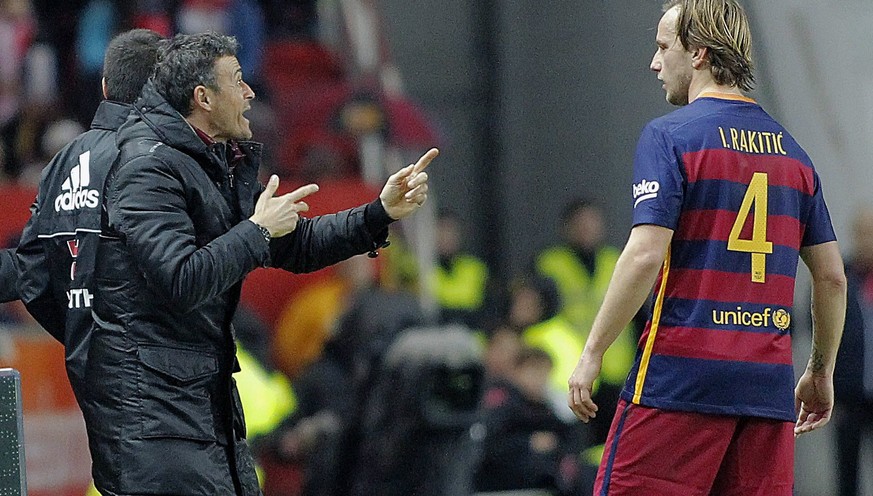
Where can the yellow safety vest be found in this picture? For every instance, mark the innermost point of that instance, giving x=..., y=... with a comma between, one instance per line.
x=267, y=397
x=581, y=293
x=564, y=343
x=462, y=285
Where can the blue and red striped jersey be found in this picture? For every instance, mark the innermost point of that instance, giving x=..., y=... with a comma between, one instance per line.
x=742, y=198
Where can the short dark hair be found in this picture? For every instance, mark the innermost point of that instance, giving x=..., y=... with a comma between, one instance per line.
x=187, y=61
x=129, y=62
x=577, y=205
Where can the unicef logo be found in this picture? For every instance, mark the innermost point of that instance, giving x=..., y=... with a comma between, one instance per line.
x=781, y=319
x=744, y=318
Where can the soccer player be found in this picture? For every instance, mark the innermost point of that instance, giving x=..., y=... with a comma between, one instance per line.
x=725, y=202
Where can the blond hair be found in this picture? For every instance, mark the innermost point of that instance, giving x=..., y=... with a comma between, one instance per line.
x=722, y=27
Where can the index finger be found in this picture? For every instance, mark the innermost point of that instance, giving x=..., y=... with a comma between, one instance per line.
x=425, y=160
x=302, y=192
x=271, y=187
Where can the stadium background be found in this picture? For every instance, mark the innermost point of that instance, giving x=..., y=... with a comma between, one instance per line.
x=536, y=103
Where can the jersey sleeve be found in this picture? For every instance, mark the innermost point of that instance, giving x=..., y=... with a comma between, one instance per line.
x=818, y=223
x=658, y=182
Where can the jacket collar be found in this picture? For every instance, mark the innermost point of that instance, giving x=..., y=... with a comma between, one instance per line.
x=110, y=115
x=154, y=118
x=168, y=125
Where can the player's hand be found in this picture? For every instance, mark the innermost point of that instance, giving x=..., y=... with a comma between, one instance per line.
x=406, y=190
x=581, y=384
x=813, y=402
x=280, y=214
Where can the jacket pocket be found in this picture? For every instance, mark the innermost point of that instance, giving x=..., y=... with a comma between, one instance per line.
x=174, y=386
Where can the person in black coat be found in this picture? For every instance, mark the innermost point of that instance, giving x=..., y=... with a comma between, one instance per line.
x=185, y=220
x=8, y=276
x=58, y=246
x=853, y=375
x=526, y=446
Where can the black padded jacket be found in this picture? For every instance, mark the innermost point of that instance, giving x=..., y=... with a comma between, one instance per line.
x=58, y=246
x=161, y=407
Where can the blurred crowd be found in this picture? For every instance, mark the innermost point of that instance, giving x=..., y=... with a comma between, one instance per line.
x=390, y=401
x=351, y=388
x=312, y=106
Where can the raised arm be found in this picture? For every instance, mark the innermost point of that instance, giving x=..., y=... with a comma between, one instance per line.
x=327, y=239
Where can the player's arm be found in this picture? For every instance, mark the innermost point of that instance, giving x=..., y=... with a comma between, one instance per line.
x=8, y=276
x=828, y=304
x=814, y=395
x=635, y=273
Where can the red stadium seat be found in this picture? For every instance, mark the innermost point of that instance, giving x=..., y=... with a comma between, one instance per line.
x=16, y=211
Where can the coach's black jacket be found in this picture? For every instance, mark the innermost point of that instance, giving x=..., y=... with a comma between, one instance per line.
x=58, y=245
x=162, y=411
x=8, y=276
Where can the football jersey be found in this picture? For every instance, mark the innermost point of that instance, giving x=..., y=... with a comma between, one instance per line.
x=742, y=198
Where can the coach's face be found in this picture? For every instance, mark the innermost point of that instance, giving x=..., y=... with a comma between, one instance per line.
x=672, y=61
x=229, y=101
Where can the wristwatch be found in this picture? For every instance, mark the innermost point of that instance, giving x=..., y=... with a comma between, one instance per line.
x=265, y=232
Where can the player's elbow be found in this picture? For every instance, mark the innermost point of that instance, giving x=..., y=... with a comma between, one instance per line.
x=649, y=260
x=645, y=257
x=831, y=279
x=647, y=247
x=826, y=267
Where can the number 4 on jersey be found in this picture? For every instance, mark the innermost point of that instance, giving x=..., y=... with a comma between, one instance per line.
x=758, y=246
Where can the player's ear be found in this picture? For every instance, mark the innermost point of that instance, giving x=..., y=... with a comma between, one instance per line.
x=699, y=56
x=105, y=89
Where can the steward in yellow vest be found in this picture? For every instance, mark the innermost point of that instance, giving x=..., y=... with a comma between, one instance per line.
x=460, y=279
x=582, y=265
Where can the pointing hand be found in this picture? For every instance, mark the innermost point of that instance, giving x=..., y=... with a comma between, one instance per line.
x=280, y=214
x=406, y=189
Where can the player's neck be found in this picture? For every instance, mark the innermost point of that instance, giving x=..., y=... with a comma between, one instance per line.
x=708, y=86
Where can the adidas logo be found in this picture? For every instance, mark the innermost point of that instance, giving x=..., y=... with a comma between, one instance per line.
x=76, y=195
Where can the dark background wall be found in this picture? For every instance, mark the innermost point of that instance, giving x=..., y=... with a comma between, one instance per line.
x=538, y=103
